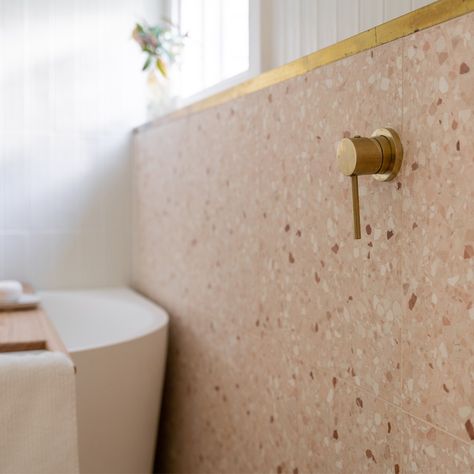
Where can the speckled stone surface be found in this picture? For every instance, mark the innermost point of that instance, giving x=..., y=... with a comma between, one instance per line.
x=438, y=210
x=429, y=450
x=293, y=347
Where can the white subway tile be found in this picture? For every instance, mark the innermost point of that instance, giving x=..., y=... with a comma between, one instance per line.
x=70, y=89
x=15, y=256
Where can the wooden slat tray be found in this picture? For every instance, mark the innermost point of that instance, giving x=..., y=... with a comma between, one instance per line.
x=26, y=330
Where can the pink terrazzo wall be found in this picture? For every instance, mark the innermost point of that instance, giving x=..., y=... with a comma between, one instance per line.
x=294, y=348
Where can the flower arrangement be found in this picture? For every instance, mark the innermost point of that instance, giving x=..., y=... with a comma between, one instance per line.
x=162, y=43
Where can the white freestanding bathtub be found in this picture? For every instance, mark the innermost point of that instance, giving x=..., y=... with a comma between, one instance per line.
x=117, y=340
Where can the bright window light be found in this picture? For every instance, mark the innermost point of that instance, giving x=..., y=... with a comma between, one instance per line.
x=218, y=44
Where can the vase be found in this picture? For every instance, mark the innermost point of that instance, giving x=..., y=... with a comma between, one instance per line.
x=161, y=98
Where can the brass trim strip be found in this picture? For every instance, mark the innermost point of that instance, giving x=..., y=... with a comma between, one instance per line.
x=420, y=19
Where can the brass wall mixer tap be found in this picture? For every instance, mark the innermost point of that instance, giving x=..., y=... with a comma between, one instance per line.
x=380, y=155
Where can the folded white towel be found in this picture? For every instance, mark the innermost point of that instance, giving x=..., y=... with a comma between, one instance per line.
x=10, y=291
x=38, y=426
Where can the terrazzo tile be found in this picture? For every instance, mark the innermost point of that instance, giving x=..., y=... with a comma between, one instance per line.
x=320, y=283
x=248, y=243
x=438, y=233
x=428, y=450
x=248, y=250
x=273, y=177
x=286, y=334
x=336, y=426
x=366, y=422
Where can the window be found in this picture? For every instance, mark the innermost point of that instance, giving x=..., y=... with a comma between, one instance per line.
x=218, y=52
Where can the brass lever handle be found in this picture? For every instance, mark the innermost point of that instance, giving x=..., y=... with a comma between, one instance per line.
x=380, y=155
x=355, y=206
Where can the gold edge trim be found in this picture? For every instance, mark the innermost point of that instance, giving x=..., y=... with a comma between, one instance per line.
x=417, y=20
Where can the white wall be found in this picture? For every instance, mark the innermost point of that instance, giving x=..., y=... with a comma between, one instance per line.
x=293, y=28
x=70, y=91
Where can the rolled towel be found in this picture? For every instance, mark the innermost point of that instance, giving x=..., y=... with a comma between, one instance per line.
x=38, y=421
x=10, y=291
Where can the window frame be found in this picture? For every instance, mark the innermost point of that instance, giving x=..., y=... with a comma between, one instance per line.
x=171, y=9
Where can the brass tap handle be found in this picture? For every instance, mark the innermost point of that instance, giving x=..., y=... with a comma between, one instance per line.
x=380, y=155
x=355, y=206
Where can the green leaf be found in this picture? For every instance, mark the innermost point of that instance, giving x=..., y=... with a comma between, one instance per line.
x=147, y=63
x=162, y=43
x=160, y=64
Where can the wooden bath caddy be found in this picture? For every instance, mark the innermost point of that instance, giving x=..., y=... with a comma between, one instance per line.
x=28, y=329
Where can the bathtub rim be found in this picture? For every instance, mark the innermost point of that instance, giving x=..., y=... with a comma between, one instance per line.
x=160, y=318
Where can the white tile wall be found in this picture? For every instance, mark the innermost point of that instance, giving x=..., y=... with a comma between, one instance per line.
x=300, y=27
x=70, y=91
